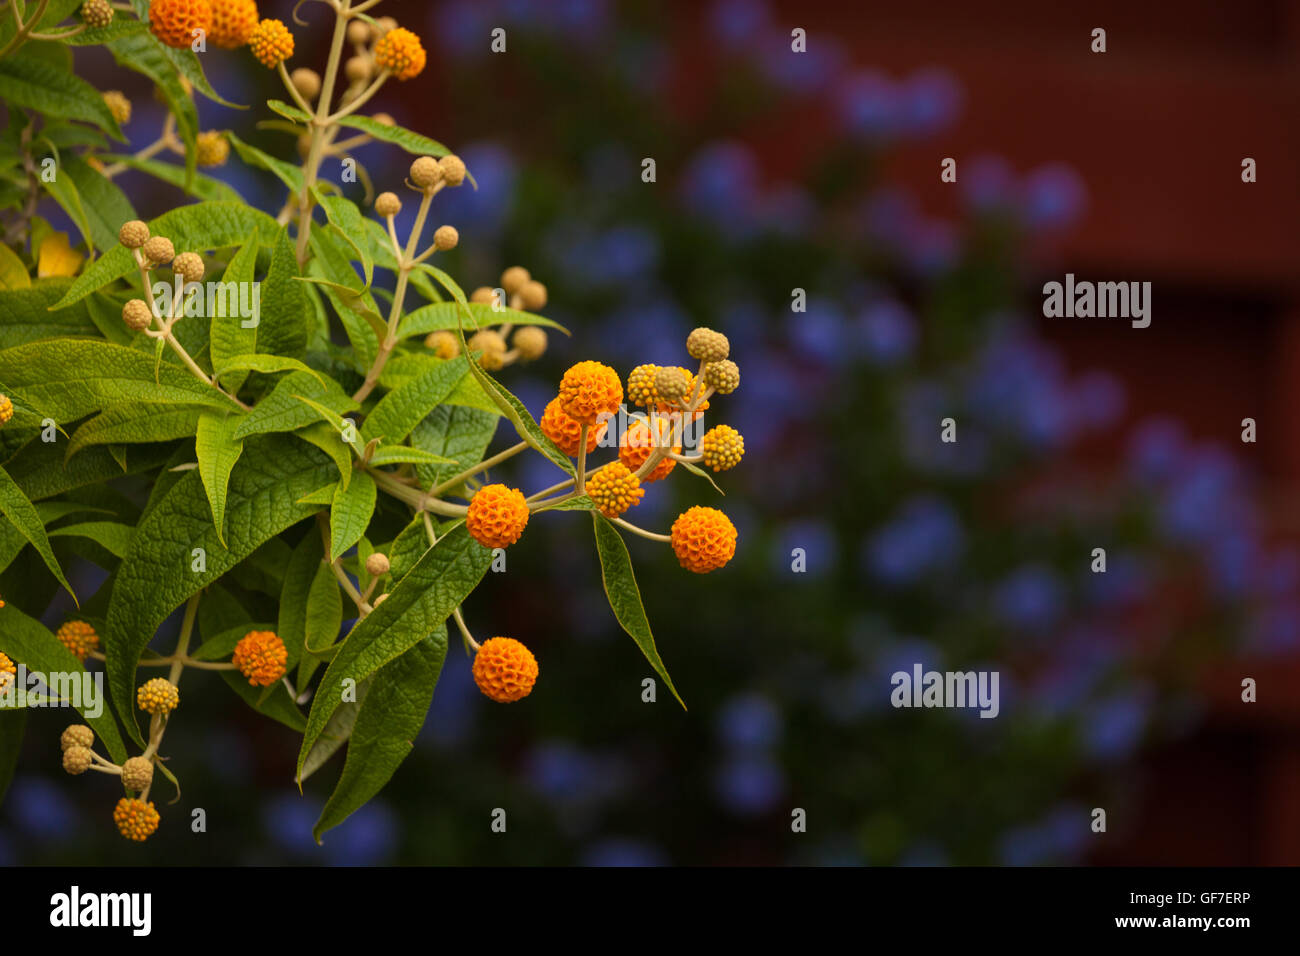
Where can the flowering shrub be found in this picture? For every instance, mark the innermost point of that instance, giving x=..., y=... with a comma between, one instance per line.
x=225, y=401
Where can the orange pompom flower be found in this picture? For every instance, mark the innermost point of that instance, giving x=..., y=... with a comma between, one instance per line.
x=271, y=42
x=78, y=637
x=261, y=657
x=704, y=539
x=175, y=22
x=233, y=22
x=158, y=696
x=637, y=444
x=401, y=52
x=505, y=670
x=497, y=516
x=135, y=819
x=590, y=390
x=565, y=432
x=613, y=488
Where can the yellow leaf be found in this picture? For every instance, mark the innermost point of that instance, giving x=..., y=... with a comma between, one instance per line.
x=13, y=273
x=57, y=258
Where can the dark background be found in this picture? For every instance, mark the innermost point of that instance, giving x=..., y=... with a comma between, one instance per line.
x=821, y=171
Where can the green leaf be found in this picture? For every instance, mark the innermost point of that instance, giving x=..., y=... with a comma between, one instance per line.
x=25, y=640
x=332, y=265
x=156, y=576
x=227, y=334
x=350, y=513
x=13, y=271
x=321, y=496
x=391, y=715
x=282, y=329
x=697, y=470
x=266, y=364
x=185, y=61
x=455, y=432
x=403, y=408
x=327, y=438
x=198, y=185
x=27, y=317
x=448, y=283
x=217, y=449
x=65, y=193
x=446, y=317
x=34, y=83
x=411, y=142
x=15, y=506
x=202, y=226
x=419, y=604
x=287, y=173
x=280, y=411
x=144, y=54
x=342, y=427
x=344, y=215
x=41, y=473
x=135, y=424
x=70, y=378
x=113, y=537
x=403, y=455
x=288, y=112
x=99, y=36
x=625, y=597
x=514, y=410
x=105, y=204
x=311, y=606
x=382, y=249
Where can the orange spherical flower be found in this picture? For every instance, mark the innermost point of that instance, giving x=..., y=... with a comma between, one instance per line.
x=505, y=670
x=7, y=671
x=233, y=22
x=158, y=696
x=637, y=443
x=722, y=447
x=565, y=432
x=641, y=384
x=401, y=52
x=613, y=488
x=261, y=657
x=271, y=42
x=590, y=390
x=135, y=819
x=704, y=539
x=174, y=22
x=497, y=516
x=6, y=414
x=78, y=637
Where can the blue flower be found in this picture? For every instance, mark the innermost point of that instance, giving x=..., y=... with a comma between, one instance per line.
x=887, y=332
x=801, y=73
x=1124, y=582
x=720, y=184
x=1031, y=598
x=1097, y=400
x=819, y=333
x=870, y=105
x=986, y=182
x=1052, y=197
x=483, y=209
x=367, y=838
x=1203, y=500
x=562, y=772
x=749, y=785
x=816, y=539
x=41, y=810
x=620, y=851
x=748, y=722
x=926, y=534
x=1112, y=728
x=930, y=101
x=1156, y=449
x=463, y=27
x=739, y=23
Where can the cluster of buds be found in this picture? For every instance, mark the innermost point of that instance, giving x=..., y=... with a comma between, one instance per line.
x=383, y=46
x=154, y=252
x=135, y=816
x=527, y=343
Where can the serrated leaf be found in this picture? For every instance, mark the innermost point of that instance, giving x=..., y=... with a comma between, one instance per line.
x=282, y=329
x=525, y=425
x=228, y=336
x=287, y=173
x=110, y=535
x=414, y=609
x=202, y=226
x=404, y=455
x=185, y=61
x=321, y=496
x=411, y=142
x=446, y=317
x=106, y=206
x=156, y=575
x=267, y=365
x=448, y=283
x=331, y=265
x=198, y=185
x=344, y=215
x=455, y=432
x=27, y=317
x=625, y=597
x=70, y=378
x=218, y=450
x=34, y=83
x=287, y=111
x=99, y=36
x=41, y=473
x=135, y=424
x=391, y=715
x=403, y=408
x=280, y=411
x=15, y=506
x=350, y=513
x=327, y=438
x=335, y=421
x=311, y=605
x=26, y=641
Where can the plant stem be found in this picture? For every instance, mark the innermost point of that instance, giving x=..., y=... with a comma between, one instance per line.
x=319, y=128
x=641, y=531
x=484, y=465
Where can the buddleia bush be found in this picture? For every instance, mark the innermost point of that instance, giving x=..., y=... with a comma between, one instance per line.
x=224, y=404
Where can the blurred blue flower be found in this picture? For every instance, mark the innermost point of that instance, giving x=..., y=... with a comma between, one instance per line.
x=1052, y=197
x=1112, y=728
x=1017, y=385
x=932, y=246
x=924, y=535
x=367, y=838
x=1155, y=449
x=922, y=408
x=902, y=655
x=1097, y=400
x=748, y=722
x=1030, y=598
x=930, y=101
x=614, y=257
x=869, y=104
x=462, y=28
x=1058, y=838
x=618, y=851
x=739, y=23
x=749, y=785
x=1276, y=630
x=581, y=20
x=847, y=698
x=7, y=855
x=41, y=810
x=562, y=772
x=816, y=539
x=802, y=74
x=1124, y=582
x=820, y=332
x=887, y=332
x=787, y=210
x=288, y=819
x=1234, y=563
x=650, y=328
x=482, y=210
x=889, y=214
x=986, y=182
x=721, y=184
x=1203, y=500
x=455, y=705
